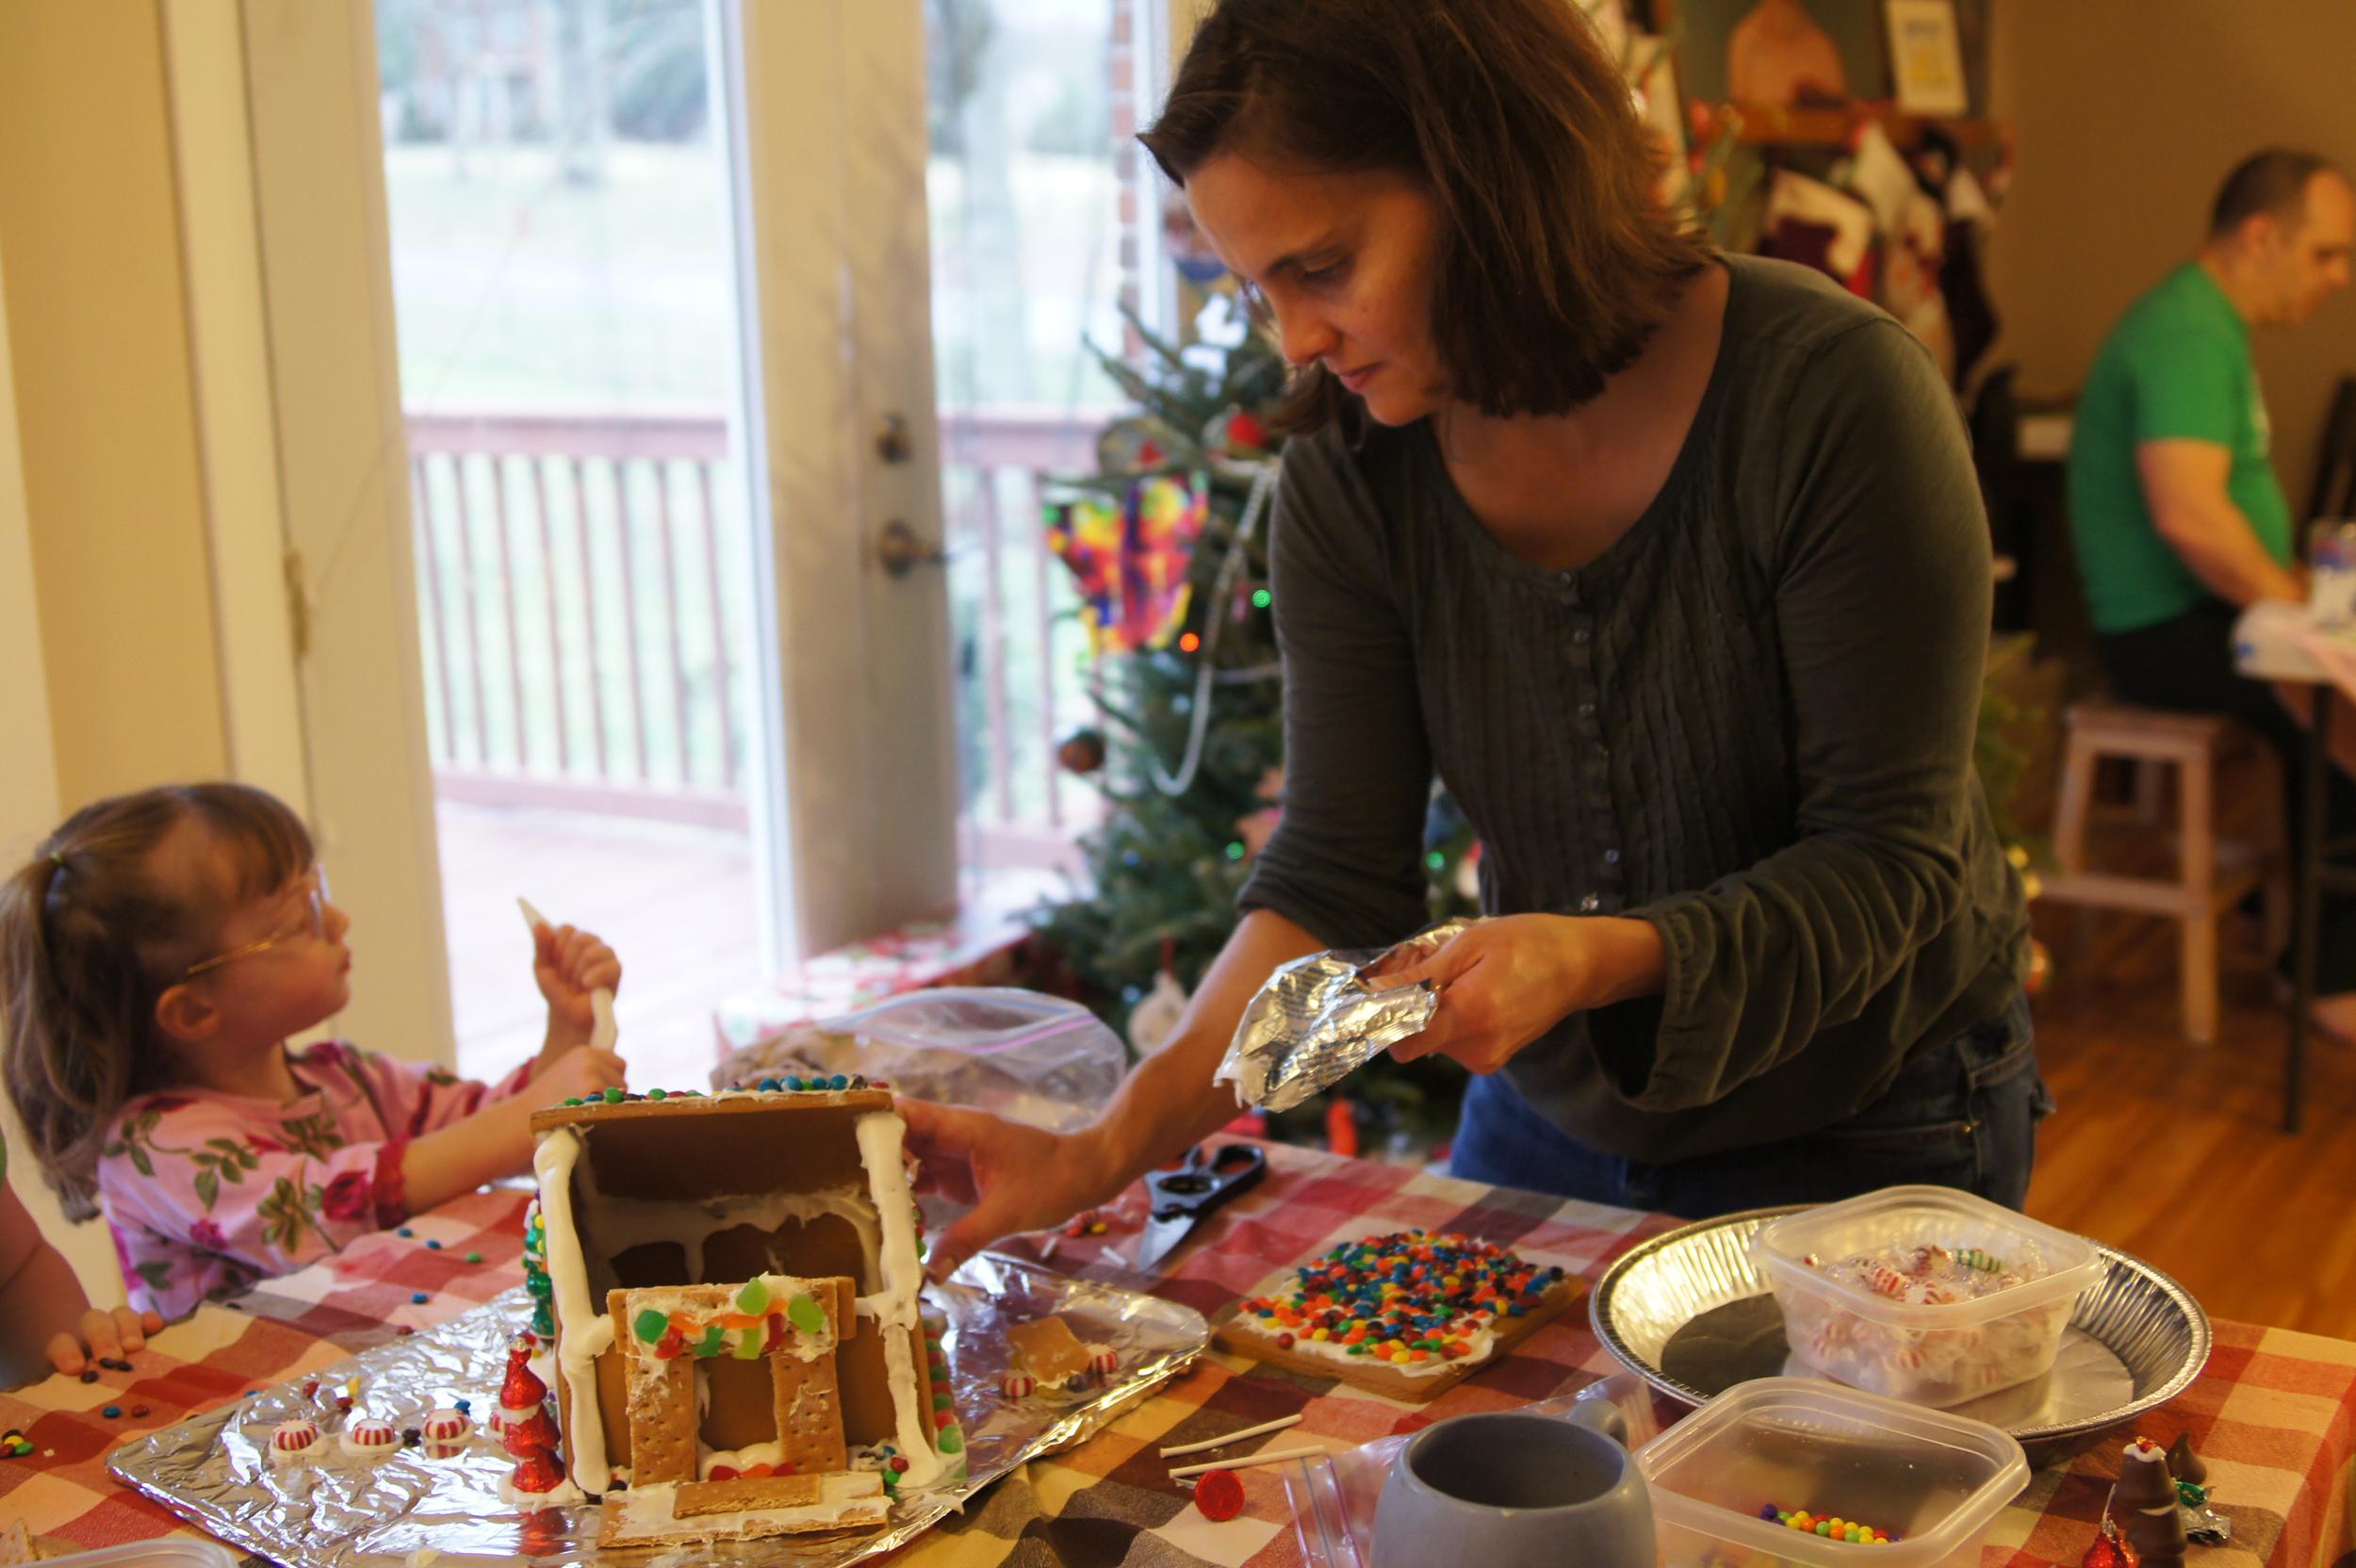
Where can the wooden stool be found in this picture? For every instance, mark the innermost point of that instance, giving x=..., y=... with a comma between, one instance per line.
x=2210, y=872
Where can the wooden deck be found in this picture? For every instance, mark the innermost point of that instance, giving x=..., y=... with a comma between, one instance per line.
x=675, y=902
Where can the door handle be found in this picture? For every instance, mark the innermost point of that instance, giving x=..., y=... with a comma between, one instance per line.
x=899, y=551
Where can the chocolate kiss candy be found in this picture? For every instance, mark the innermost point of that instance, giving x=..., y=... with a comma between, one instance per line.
x=2108, y=1553
x=2184, y=1463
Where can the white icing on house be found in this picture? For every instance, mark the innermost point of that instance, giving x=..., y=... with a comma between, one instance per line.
x=586, y=1230
x=849, y=1496
x=621, y=1223
x=583, y=1333
x=895, y=1303
x=739, y=1460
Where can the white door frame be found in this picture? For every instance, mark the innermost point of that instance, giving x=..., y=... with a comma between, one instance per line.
x=281, y=159
x=829, y=155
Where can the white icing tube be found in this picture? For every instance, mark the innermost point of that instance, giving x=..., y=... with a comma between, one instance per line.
x=901, y=1277
x=603, y=1031
x=582, y=1332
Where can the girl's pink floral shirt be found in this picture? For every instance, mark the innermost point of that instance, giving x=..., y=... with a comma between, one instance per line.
x=206, y=1193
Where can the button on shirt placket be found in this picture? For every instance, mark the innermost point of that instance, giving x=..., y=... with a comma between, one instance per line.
x=1605, y=888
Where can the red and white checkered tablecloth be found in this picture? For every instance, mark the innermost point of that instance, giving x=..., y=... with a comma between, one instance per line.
x=2272, y=1416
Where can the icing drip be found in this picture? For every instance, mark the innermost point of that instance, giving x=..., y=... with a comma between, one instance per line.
x=584, y=1332
x=619, y=1224
x=895, y=1303
x=771, y=1453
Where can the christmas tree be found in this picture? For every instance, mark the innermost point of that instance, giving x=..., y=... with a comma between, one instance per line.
x=1187, y=745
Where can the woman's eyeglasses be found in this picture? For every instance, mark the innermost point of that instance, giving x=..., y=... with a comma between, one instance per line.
x=313, y=924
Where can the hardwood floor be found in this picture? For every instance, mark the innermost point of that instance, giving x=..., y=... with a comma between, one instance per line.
x=2176, y=1152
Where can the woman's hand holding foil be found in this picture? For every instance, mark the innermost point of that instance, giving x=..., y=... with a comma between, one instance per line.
x=1504, y=983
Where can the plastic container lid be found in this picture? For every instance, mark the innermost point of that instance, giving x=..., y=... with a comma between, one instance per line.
x=1921, y=1215
x=1931, y=1481
x=150, y=1554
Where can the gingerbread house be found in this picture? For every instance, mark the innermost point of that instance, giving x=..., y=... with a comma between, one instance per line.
x=733, y=1286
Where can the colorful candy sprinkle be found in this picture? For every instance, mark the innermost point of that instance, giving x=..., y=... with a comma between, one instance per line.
x=474, y=1257
x=1830, y=1526
x=1404, y=1299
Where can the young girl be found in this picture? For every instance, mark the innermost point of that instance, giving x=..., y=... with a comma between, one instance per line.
x=155, y=958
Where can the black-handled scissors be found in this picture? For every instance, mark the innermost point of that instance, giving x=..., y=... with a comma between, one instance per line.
x=1196, y=1186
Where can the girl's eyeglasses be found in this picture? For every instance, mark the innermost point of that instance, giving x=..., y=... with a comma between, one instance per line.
x=313, y=924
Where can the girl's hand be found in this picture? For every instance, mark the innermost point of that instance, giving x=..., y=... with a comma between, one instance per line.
x=570, y=963
x=102, y=1335
x=586, y=1073
x=1505, y=982
x=1017, y=1178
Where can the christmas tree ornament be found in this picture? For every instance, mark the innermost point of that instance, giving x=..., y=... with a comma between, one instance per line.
x=1154, y=1019
x=1130, y=558
x=1081, y=751
x=1133, y=447
x=1235, y=433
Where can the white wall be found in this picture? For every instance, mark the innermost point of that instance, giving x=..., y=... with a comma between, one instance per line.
x=29, y=798
x=2127, y=115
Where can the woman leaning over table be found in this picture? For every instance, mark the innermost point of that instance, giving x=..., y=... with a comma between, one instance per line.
x=1672, y=565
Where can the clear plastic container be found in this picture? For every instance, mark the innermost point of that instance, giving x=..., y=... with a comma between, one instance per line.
x=1931, y=1355
x=1931, y=1481
x=149, y=1554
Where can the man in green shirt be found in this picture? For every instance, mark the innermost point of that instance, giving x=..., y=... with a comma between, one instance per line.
x=2179, y=519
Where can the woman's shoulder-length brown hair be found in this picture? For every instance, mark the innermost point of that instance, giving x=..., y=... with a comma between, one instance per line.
x=1558, y=255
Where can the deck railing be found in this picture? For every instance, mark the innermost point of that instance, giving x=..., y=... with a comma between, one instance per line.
x=580, y=651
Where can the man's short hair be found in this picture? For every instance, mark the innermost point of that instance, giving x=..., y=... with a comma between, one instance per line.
x=2272, y=181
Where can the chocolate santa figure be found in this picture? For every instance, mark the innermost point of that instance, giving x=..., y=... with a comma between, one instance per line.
x=2146, y=1503
x=526, y=1431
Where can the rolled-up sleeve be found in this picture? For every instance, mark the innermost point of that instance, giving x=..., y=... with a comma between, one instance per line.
x=1344, y=862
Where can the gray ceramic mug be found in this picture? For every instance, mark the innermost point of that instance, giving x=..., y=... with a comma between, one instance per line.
x=1511, y=1490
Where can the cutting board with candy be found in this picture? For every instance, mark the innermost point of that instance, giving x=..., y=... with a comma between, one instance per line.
x=1409, y=1315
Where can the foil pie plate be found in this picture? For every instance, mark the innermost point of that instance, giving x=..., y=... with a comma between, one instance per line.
x=408, y=1510
x=1688, y=1314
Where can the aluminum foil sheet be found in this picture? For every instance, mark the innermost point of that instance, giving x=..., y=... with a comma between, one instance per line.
x=1689, y=1313
x=1316, y=1022
x=411, y=1510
